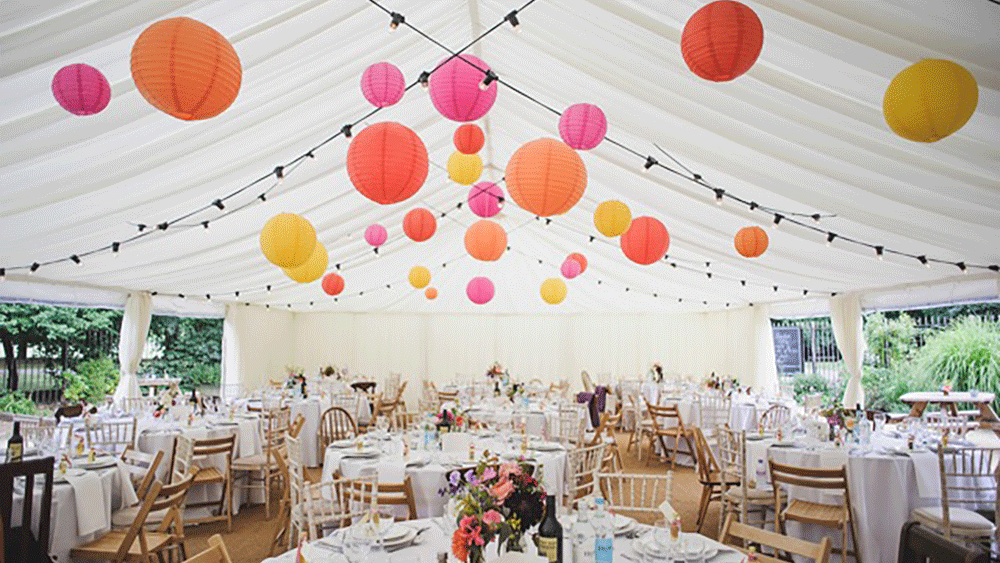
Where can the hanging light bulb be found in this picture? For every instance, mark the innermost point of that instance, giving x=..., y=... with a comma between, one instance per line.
x=512, y=19
x=397, y=19
x=490, y=78
x=719, y=193
x=424, y=80
x=777, y=219
x=829, y=239
x=650, y=162
x=923, y=260
x=878, y=252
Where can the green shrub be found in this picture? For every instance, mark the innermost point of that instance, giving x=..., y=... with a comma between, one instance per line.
x=17, y=402
x=890, y=341
x=92, y=381
x=884, y=386
x=201, y=375
x=809, y=384
x=966, y=354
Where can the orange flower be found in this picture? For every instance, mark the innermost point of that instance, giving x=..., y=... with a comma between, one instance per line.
x=459, y=546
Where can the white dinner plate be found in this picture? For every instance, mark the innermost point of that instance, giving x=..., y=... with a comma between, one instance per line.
x=343, y=443
x=785, y=444
x=364, y=452
x=60, y=477
x=622, y=522
x=693, y=545
x=100, y=462
x=391, y=531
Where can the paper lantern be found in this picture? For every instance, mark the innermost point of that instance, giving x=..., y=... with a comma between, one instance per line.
x=546, y=177
x=581, y=259
x=455, y=92
x=430, y=293
x=469, y=138
x=930, y=100
x=645, y=241
x=287, y=240
x=314, y=267
x=485, y=240
x=582, y=126
x=81, y=89
x=382, y=84
x=485, y=199
x=570, y=268
x=376, y=235
x=612, y=218
x=419, y=224
x=420, y=277
x=333, y=284
x=553, y=291
x=722, y=40
x=387, y=162
x=479, y=290
x=751, y=242
x=186, y=69
x=464, y=168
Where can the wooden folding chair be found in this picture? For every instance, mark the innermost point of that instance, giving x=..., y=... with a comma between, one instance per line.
x=739, y=535
x=216, y=552
x=659, y=415
x=211, y=475
x=336, y=424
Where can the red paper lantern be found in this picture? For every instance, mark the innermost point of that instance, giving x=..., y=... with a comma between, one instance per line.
x=430, y=293
x=387, y=162
x=546, y=177
x=419, y=224
x=581, y=259
x=486, y=240
x=469, y=139
x=751, y=242
x=81, y=89
x=333, y=284
x=645, y=241
x=722, y=40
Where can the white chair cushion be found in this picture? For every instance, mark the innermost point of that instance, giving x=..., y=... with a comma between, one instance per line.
x=126, y=516
x=963, y=521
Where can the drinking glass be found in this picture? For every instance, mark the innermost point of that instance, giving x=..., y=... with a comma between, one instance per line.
x=356, y=546
x=880, y=419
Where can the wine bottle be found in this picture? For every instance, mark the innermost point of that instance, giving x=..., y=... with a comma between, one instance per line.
x=550, y=535
x=15, y=446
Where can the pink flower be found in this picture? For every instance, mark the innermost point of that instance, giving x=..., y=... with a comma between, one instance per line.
x=502, y=490
x=489, y=473
x=492, y=517
x=508, y=469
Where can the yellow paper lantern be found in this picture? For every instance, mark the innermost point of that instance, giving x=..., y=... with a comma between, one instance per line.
x=420, y=277
x=314, y=267
x=464, y=168
x=930, y=100
x=612, y=218
x=287, y=240
x=553, y=291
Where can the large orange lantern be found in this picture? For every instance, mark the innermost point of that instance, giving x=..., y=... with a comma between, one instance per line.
x=546, y=177
x=722, y=40
x=186, y=69
x=751, y=242
x=387, y=162
x=419, y=224
x=333, y=284
x=485, y=240
x=645, y=241
x=469, y=138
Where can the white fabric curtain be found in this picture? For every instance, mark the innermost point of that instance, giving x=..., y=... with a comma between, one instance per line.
x=135, y=328
x=765, y=369
x=256, y=347
x=845, y=315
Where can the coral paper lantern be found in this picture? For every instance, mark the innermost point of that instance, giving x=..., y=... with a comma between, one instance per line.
x=930, y=100
x=582, y=126
x=570, y=268
x=419, y=224
x=376, y=235
x=382, y=84
x=546, y=177
x=553, y=291
x=612, y=218
x=581, y=259
x=485, y=240
x=645, y=241
x=430, y=293
x=420, y=277
x=186, y=69
x=333, y=284
x=464, y=168
x=287, y=240
x=455, y=92
x=751, y=242
x=387, y=162
x=479, y=290
x=81, y=89
x=314, y=267
x=722, y=40
x=469, y=138
x=485, y=199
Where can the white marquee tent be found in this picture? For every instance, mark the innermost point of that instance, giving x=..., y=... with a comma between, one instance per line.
x=801, y=132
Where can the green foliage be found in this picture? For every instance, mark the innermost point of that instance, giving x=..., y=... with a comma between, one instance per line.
x=92, y=380
x=809, y=384
x=189, y=348
x=891, y=341
x=16, y=402
x=49, y=327
x=885, y=385
x=966, y=354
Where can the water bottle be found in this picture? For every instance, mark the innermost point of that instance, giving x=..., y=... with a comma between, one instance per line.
x=583, y=536
x=604, y=534
x=761, y=473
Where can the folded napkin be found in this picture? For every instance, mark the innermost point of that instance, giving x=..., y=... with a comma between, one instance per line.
x=668, y=511
x=128, y=495
x=928, y=473
x=91, y=513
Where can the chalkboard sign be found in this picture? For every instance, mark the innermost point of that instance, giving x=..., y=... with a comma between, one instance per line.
x=788, y=349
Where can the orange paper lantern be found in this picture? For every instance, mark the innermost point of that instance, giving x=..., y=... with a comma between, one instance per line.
x=485, y=240
x=645, y=241
x=419, y=224
x=469, y=139
x=722, y=40
x=186, y=69
x=333, y=284
x=430, y=293
x=581, y=259
x=546, y=177
x=751, y=242
x=387, y=162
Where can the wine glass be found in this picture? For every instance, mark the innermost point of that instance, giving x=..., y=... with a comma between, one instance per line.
x=357, y=546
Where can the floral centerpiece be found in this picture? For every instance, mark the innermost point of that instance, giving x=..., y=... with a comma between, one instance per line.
x=514, y=391
x=166, y=399
x=448, y=418
x=330, y=371
x=946, y=387
x=495, y=502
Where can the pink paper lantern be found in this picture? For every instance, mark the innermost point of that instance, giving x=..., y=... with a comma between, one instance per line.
x=485, y=199
x=582, y=126
x=382, y=84
x=376, y=235
x=81, y=89
x=570, y=269
x=455, y=89
x=480, y=290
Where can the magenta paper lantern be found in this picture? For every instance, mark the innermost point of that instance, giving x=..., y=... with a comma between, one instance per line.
x=81, y=89
x=570, y=269
x=485, y=199
x=582, y=126
x=376, y=235
x=455, y=89
x=382, y=84
x=480, y=290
